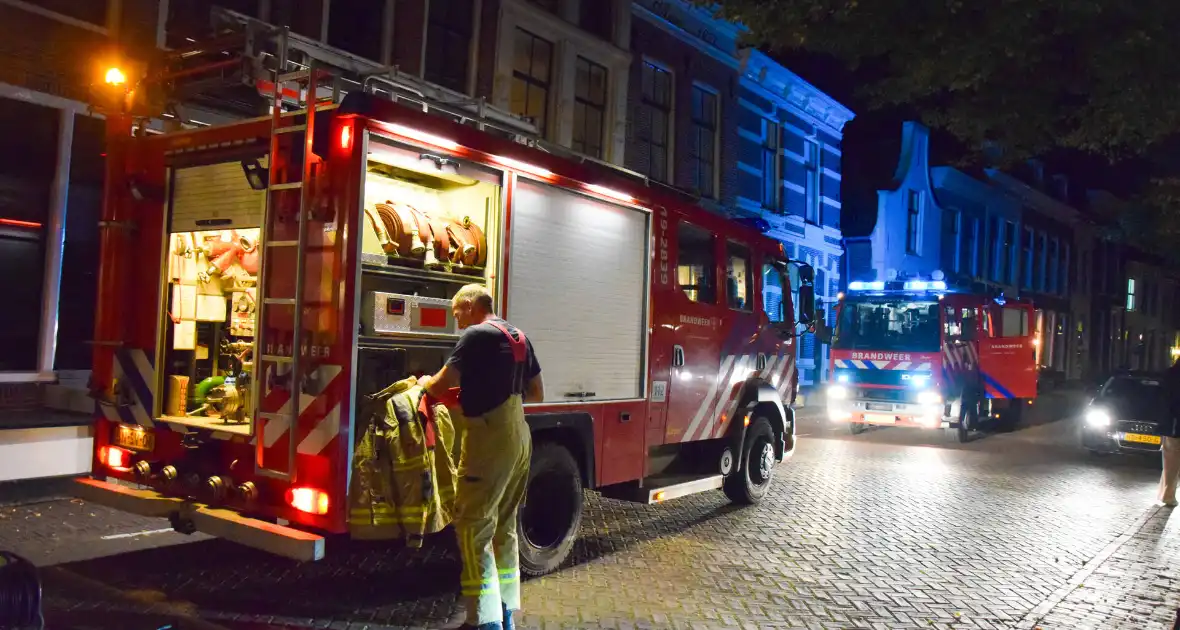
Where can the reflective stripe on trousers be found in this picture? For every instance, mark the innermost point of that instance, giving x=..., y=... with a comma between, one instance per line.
x=493, y=475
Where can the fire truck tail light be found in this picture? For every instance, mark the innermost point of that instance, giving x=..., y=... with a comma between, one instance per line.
x=115, y=457
x=308, y=500
x=346, y=137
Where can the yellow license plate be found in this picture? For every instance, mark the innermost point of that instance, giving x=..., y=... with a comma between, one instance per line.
x=135, y=438
x=1141, y=439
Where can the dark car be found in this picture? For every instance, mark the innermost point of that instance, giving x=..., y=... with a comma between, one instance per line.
x=1126, y=415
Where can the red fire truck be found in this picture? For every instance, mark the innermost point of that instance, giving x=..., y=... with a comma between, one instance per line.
x=909, y=352
x=260, y=278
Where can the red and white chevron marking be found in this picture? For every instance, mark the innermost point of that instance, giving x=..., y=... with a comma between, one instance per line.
x=318, y=423
x=716, y=412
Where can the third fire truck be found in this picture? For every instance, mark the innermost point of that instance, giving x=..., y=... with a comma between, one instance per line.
x=909, y=352
x=258, y=279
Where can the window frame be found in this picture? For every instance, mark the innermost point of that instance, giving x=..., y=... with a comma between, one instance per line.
x=697, y=127
x=710, y=273
x=736, y=249
x=531, y=82
x=650, y=104
x=434, y=23
x=771, y=165
x=813, y=213
x=913, y=223
x=586, y=104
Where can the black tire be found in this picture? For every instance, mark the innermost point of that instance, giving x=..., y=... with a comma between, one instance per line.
x=968, y=422
x=748, y=485
x=549, y=519
x=856, y=428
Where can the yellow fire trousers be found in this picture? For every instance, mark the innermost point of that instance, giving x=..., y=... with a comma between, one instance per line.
x=493, y=475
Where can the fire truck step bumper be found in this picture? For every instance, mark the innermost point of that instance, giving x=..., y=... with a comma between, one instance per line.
x=658, y=490
x=277, y=539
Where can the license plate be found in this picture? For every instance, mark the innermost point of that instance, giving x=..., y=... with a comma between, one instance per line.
x=873, y=418
x=135, y=438
x=878, y=407
x=1141, y=439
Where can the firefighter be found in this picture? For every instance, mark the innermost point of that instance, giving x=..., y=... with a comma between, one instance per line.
x=1171, y=439
x=496, y=370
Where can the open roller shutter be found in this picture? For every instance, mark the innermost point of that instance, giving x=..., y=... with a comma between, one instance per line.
x=218, y=193
x=577, y=286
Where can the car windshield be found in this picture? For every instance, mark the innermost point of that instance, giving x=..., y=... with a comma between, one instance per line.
x=1135, y=398
x=888, y=325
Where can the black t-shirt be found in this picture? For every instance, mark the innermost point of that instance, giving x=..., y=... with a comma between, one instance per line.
x=488, y=373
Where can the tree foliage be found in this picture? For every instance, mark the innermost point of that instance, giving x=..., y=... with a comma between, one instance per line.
x=1029, y=75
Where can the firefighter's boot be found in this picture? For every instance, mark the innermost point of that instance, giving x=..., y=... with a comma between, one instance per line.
x=509, y=624
x=493, y=473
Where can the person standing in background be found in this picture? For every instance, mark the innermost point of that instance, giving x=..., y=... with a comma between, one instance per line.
x=1171, y=438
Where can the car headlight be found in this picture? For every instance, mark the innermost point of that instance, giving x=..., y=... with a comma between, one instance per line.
x=929, y=397
x=1098, y=418
x=837, y=392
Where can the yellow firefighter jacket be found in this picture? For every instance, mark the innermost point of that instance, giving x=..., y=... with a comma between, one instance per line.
x=404, y=468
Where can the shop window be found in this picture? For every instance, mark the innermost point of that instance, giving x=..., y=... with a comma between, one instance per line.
x=702, y=149
x=652, y=129
x=696, y=265
x=531, y=78
x=590, y=81
x=449, y=30
x=739, y=284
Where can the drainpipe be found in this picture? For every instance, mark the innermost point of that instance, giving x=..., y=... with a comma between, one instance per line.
x=55, y=236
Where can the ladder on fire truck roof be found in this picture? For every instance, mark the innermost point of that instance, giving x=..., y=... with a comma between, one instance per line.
x=268, y=51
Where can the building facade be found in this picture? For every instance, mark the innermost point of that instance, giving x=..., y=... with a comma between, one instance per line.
x=742, y=133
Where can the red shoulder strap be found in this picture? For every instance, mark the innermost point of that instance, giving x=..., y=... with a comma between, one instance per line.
x=519, y=349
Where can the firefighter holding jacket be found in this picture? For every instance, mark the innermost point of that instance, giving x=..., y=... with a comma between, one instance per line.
x=496, y=370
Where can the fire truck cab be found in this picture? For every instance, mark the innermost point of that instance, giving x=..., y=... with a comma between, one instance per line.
x=260, y=279
x=910, y=352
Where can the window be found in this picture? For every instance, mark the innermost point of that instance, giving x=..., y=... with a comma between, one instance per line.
x=739, y=284
x=597, y=18
x=1053, y=270
x=1014, y=322
x=1007, y=268
x=771, y=187
x=994, y=247
x=702, y=150
x=772, y=293
x=967, y=246
x=913, y=223
x=889, y=325
x=954, y=226
x=531, y=76
x=589, y=107
x=1130, y=294
x=811, y=168
x=696, y=264
x=1041, y=255
x=1063, y=271
x=1026, y=280
x=449, y=29
x=959, y=323
x=655, y=117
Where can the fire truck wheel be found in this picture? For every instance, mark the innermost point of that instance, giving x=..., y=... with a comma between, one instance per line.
x=753, y=480
x=856, y=428
x=552, y=512
x=968, y=424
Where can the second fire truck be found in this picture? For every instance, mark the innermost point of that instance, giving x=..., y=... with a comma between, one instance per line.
x=909, y=352
x=258, y=279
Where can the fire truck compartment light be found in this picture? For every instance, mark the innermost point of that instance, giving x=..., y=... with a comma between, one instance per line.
x=610, y=192
x=524, y=167
x=1098, y=418
x=421, y=136
x=308, y=500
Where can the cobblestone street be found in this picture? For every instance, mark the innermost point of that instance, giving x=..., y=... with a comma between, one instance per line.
x=890, y=529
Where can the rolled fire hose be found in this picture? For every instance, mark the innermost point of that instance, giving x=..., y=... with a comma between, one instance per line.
x=378, y=225
x=251, y=256
x=201, y=391
x=405, y=213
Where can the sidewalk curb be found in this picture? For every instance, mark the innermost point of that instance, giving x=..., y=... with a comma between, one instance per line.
x=1034, y=616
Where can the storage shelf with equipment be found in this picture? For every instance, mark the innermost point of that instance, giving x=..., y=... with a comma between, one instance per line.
x=430, y=226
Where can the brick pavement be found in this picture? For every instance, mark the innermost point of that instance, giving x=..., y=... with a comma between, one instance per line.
x=884, y=530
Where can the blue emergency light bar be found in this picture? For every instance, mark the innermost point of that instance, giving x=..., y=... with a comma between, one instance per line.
x=908, y=285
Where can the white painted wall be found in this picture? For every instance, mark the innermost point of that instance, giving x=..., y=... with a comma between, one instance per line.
x=45, y=452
